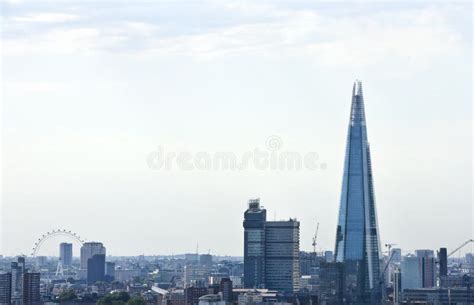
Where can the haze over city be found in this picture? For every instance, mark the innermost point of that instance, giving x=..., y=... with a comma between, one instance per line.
x=91, y=89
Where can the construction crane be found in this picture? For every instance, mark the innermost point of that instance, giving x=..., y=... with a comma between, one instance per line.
x=461, y=246
x=386, y=266
x=315, y=237
x=389, y=247
x=382, y=275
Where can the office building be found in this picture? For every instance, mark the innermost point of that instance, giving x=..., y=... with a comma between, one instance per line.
x=109, y=271
x=31, y=288
x=397, y=287
x=257, y=297
x=307, y=262
x=123, y=275
x=254, y=245
x=437, y=295
x=17, y=270
x=331, y=280
x=443, y=262
x=5, y=288
x=282, y=247
x=410, y=272
x=191, y=257
x=96, y=269
x=427, y=267
x=205, y=260
x=357, y=234
x=227, y=289
x=469, y=260
x=328, y=256
x=176, y=298
x=194, y=274
x=65, y=254
x=88, y=250
x=41, y=260
x=271, y=251
x=424, y=253
x=192, y=295
x=396, y=254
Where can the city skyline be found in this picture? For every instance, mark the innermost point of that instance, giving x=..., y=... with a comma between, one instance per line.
x=87, y=99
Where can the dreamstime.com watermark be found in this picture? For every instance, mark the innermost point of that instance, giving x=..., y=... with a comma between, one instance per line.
x=271, y=157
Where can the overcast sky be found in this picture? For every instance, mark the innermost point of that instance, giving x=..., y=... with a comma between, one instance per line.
x=91, y=89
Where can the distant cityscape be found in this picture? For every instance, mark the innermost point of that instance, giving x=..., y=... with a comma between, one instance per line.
x=272, y=270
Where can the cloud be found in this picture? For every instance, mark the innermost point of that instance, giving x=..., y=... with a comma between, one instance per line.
x=28, y=87
x=45, y=18
x=415, y=36
x=328, y=40
x=56, y=41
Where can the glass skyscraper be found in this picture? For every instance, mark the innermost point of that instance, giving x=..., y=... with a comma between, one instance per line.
x=65, y=253
x=271, y=251
x=254, y=245
x=282, y=250
x=357, y=237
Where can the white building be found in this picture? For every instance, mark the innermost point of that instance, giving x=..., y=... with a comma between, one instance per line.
x=88, y=250
x=124, y=275
x=211, y=299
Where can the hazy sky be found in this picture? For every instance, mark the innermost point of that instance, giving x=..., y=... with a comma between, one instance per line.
x=91, y=89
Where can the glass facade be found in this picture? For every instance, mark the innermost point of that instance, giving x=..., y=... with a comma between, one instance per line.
x=357, y=238
x=282, y=250
x=271, y=251
x=254, y=245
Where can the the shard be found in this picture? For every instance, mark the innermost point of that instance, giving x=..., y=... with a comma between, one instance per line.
x=357, y=237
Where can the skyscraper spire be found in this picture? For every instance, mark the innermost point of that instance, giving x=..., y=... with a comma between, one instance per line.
x=357, y=237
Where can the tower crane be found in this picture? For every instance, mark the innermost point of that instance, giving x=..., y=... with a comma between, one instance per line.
x=382, y=274
x=389, y=247
x=460, y=247
x=315, y=237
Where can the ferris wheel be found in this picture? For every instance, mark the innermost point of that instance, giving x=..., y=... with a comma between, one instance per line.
x=54, y=233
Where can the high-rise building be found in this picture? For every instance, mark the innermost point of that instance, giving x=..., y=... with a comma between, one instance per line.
x=205, y=260
x=392, y=263
x=308, y=262
x=282, y=247
x=226, y=289
x=357, y=235
x=443, y=261
x=427, y=267
x=424, y=253
x=271, y=251
x=410, y=272
x=5, y=288
x=469, y=260
x=41, y=260
x=109, y=271
x=96, y=268
x=328, y=256
x=191, y=257
x=396, y=254
x=65, y=253
x=88, y=250
x=331, y=283
x=192, y=295
x=17, y=270
x=397, y=287
x=31, y=288
x=22, y=263
x=194, y=274
x=254, y=245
